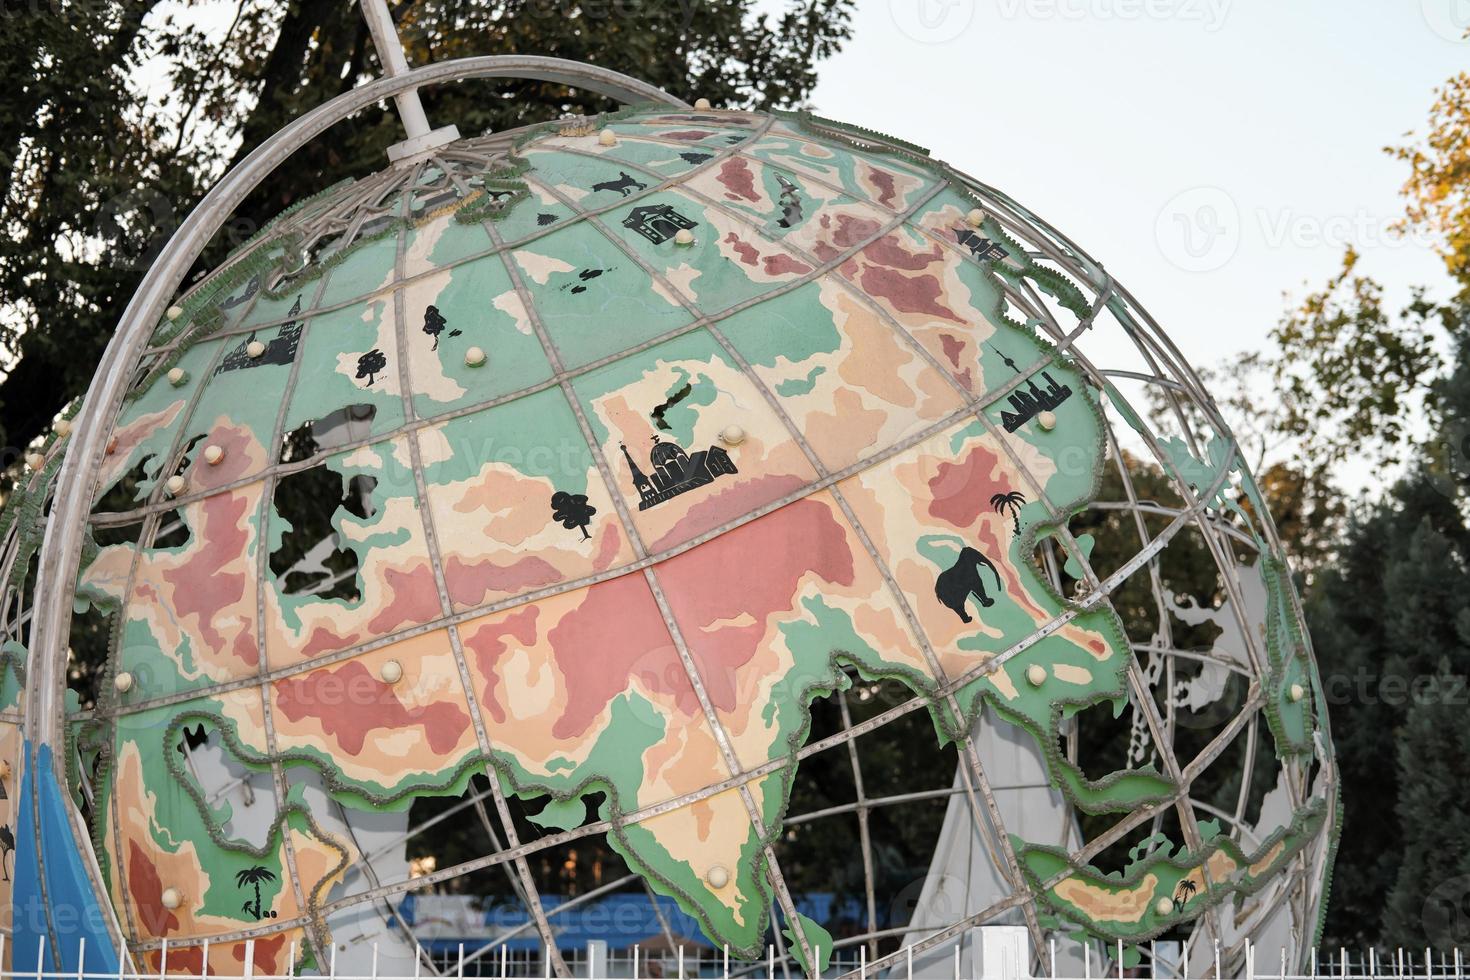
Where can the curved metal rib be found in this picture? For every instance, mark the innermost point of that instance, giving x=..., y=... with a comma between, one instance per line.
x=60, y=553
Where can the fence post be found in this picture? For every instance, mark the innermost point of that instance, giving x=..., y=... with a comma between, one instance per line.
x=597, y=968
x=81, y=957
x=249, y=959
x=162, y=959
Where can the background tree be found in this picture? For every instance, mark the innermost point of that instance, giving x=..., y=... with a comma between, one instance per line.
x=118, y=115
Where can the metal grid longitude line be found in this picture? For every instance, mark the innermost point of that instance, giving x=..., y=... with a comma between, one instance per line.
x=146, y=534
x=313, y=930
x=521, y=881
x=528, y=888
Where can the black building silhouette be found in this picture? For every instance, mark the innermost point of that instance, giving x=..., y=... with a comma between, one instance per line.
x=981, y=248
x=657, y=222
x=1032, y=399
x=675, y=471
x=280, y=349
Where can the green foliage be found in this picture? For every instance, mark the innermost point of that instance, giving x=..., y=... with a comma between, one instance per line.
x=1438, y=186
x=1391, y=626
x=121, y=113
x=1352, y=375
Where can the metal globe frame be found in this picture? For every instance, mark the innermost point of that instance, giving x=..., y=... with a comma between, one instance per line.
x=1163, y=371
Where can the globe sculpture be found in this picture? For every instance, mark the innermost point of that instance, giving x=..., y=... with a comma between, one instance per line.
x=565, y=477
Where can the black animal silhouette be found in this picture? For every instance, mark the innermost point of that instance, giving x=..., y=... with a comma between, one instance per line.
x=790, y=203
x=625, y=186
x=7, y=847
x=957, y=583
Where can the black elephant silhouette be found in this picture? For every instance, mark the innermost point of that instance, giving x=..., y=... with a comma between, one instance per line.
x=958, y=582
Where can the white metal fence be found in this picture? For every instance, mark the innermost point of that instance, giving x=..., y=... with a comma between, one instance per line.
x=1003, y=954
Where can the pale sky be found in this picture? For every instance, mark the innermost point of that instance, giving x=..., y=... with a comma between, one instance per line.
x=1127, y=123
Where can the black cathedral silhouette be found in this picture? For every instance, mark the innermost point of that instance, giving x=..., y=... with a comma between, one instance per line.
x=281, y=349
x=675, y=471
x=1031, y=399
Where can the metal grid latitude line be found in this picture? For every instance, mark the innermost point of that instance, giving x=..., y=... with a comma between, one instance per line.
x=123, y=517
x=529, y=893
x=961, y=416
x=664, y=184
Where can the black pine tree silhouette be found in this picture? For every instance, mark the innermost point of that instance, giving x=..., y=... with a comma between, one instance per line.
x=573, y=510
x=433, y=324
x=370, y=364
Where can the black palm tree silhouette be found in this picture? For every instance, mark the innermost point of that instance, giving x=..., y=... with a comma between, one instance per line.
x=1010, y=503
x=254, y=876
x=1184, y=892
x=7, y=845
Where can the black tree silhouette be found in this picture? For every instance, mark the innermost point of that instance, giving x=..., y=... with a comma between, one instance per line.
x=433, y=324
x=1183, y=893
x=1010, y=503
x=573, y=510
x=254, y=876
x=370, y=364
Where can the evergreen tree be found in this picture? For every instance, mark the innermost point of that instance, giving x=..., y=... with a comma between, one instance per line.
x=1391, y=626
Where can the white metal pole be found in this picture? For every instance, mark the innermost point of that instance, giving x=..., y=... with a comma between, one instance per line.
x=390, y=53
